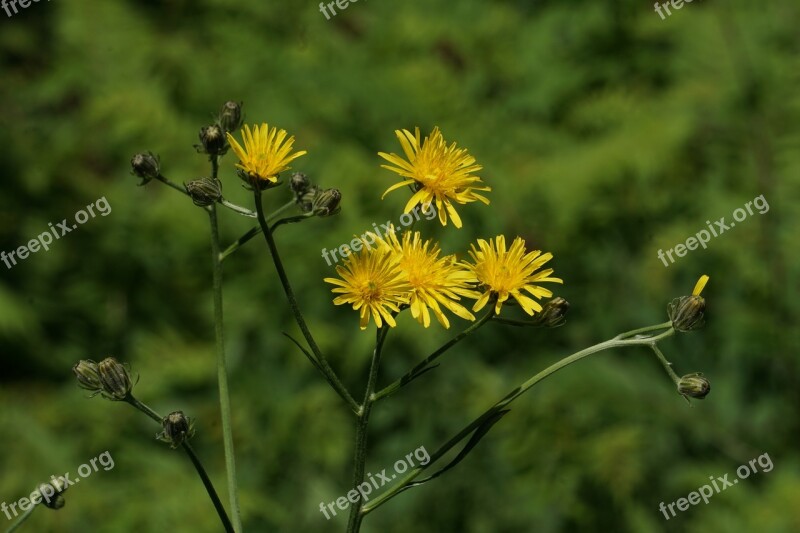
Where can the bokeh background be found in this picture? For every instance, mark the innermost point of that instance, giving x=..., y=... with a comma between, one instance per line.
x=606, y=134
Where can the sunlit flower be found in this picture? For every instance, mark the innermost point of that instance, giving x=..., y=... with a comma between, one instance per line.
x=440, y=174
x=501, y=273
x=372, y=281
x=266, y=152
x=434, y=280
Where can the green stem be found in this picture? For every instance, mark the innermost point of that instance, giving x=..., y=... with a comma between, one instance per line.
x=222, y=371
x=212, y=493
x=510, y=397
x=324, y=366
x=424, y=365
x=21, y=519
x=252, y=232
x=666, y=364
x=362, y=423
x=215, y=168
x=237, y=208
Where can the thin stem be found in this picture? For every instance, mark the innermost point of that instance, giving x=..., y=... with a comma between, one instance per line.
x=237, y=208
x=500, y=405
x=424, y=365
x=628, y=334
x=166, y=181
x=666, y=364
x=222, y=370
x=325, y=368
x=212, y=493
x=252, y=232
x=215, y=169
x=362, y=423
x=21, y=519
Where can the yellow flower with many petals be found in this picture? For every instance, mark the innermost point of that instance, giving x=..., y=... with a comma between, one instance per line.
x=502, y=272
x=435, y=281
x=373, y=283
x=440, y=174
x=266, y=152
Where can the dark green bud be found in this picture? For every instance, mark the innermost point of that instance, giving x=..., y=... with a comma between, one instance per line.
x=694, y=386
x=687, y=312
x=52, y=493
x=230, y=117
x=213, y=140
x=145, y=166
x=327, y=202
x=299, y=184
x=88, y=375
x=115, y=378
x=553, y=313
x=177, y=429
x=204, y=191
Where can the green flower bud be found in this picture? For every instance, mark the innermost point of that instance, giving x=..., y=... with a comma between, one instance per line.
x=52, y=493
x=694, y=386
x=213, y=140
x=299, y=184
x=204, y=191
x=145, y=166
x=178, y=428
x=327, y=202
x=687, y=312
x=115, y=378
x=230, y=117
x=88, y=375
x=553, y=313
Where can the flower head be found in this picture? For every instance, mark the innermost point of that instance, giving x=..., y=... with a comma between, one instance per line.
x=439, y=173
x=372, y=282
x=502, y=272
x=435, y=281
x=688, y=312
x=266, y=152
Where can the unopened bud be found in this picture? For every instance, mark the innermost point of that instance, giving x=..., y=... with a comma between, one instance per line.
x=145, y=166
x=115, y=378
x=687, y=312
x=88, y=375
x=299, y=184
x=694, y=386
x=553, y=313
x=327, y=202
x=52, y=493
x=177, y=429
x=204, y=191
x=230, y=117
x=213, y=140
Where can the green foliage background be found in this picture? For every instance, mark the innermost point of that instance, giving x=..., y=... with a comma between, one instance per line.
x=606, y=134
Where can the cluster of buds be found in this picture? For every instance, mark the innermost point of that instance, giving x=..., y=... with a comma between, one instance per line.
x=313, y=199
x=177, y=429
x=145, y=166
x=109, y=378
x=213, y=139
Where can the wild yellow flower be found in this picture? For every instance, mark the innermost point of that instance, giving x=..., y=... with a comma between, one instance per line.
x=373, y=283
x=434, y=280
x=439, y=173
x=503, y=273
x=266, y=152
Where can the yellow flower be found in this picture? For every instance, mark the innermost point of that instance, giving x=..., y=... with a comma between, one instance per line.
x=701, y=284
x=434, y=280
x=373, y=283
x=502, y=273
x=440, y=174
x=266, y=152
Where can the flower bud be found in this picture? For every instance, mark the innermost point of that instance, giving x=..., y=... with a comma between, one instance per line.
x=299, y=184
x=553, y=313
x=213, y=140
x=230, y=117
x=204, y=191
x=115, y=378
x=327, y=202
x=694, y=386
x=52, y=493
x=145, y=166
x=178, y=428
x=88, y=375
x=687, y=312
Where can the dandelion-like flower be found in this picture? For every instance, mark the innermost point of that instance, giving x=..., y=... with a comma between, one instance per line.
x=440, y=174
x=373, y=283
x=266, y=152
x=435, y=281
x=502, y=272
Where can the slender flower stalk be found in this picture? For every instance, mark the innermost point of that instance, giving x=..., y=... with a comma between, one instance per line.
x=24, y=516
x=622, y=340
x=252, y=232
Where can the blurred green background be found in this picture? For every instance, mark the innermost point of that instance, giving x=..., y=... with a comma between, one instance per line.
x=606, y=134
